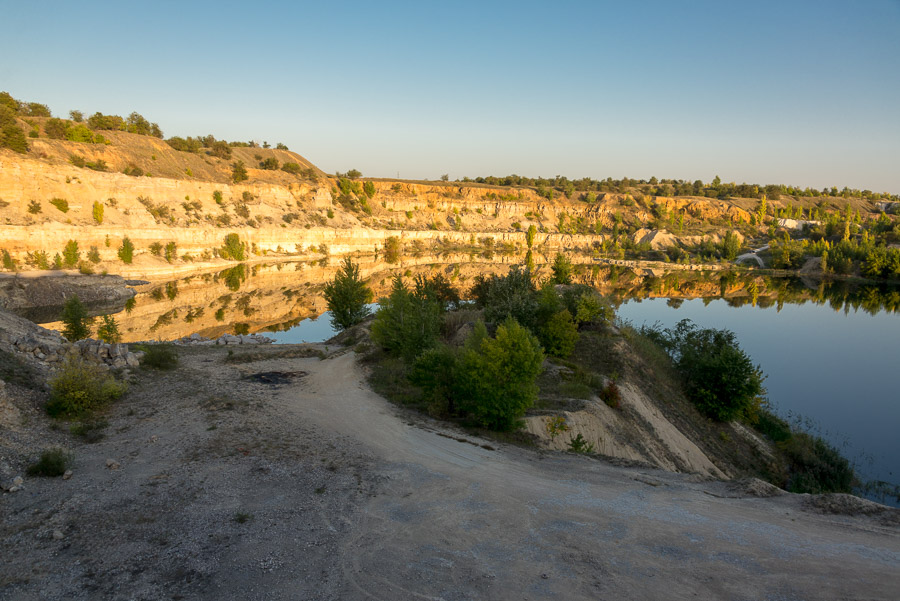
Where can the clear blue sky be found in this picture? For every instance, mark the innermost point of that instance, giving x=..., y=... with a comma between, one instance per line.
x=803, y=93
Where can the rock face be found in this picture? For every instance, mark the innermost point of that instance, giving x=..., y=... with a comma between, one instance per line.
x=46, y=349
x=40, y=298
x=277, y=213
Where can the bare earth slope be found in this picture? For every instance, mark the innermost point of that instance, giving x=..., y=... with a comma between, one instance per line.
x=309, y=486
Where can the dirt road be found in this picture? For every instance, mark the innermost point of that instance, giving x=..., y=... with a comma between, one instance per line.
x=346, y=498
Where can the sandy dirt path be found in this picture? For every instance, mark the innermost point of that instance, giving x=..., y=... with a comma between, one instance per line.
x=347, y=497
x=454, y=520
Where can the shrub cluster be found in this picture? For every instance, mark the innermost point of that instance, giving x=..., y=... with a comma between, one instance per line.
x=718, y=376
x=81, y=387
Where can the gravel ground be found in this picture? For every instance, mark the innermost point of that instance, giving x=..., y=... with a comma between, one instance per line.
x=287, y=478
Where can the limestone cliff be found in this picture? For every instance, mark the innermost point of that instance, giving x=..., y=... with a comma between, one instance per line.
x=188, y=199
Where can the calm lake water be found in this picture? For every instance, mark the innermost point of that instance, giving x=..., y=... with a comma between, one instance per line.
x=839, y=370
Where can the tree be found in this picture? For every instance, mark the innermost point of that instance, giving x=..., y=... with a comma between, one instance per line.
x=76, y=116
x=761, y=210
x=234, y=248
x=562, y=269
x=559, y=334
x=98, y=213
x=75, y=320
x=496, y=376
x=238, y=172
x=529, y=235
x=731, y=245
x=347, y=297
x=353, y=174
x=71, y=254
x=369, y=189
x=108, y=330
x=406, y=323
x=270, y=164
x=126, y=251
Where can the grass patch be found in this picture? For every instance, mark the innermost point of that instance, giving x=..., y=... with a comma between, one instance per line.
x=242, y=517
x=53, y=462
x=389, y=378
x=158, y=356
x=89, y=430
x=16, y=371
x=811, y=465
x=287, y=353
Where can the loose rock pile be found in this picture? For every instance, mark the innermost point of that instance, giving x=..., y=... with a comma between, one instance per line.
x=50, y=347
x=227, y=339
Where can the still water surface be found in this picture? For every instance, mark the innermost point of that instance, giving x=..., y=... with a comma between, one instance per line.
x=839, y=370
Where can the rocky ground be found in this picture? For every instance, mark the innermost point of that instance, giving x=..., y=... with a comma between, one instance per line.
x=277, y=474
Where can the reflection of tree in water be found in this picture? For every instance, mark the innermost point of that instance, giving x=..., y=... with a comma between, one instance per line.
x=233, y=277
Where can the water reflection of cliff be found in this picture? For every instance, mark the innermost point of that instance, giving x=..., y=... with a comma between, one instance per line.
x=277, y=296
x=739, y=288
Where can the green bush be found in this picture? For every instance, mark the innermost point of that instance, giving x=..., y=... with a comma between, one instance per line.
x=38, y=259
x=233, y=248
x=8, y=262
x=98, y=213
x=292, y=168
x=60, y=203
x=718, y=376
x=158, y=356
x=56, y=128
x=53, y=463
x=126, y=251
x=270, y=164
x=435, y=371
x=347, y=297
x=513, y=295
x=496, y=376
x=80, y=388
x=71, y=254
x=34, y=207
x=155, y=248
x=559, y=334
x=94, y=255
x=77, y=324
x=171, y=251
x=11, y=135
x=392, y=249
x=406, y=323
x=238, y=172
x=369, y=189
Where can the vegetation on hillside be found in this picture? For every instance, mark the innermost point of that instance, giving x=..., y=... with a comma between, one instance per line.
x=449, y=364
